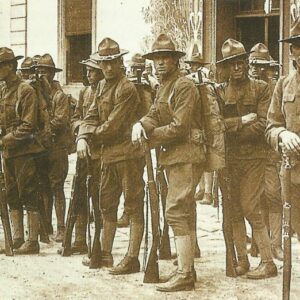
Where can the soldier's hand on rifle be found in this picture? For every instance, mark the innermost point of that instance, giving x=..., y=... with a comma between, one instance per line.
x=249, y=118
x=83, y=149
x=137, y=133
x=290, y=140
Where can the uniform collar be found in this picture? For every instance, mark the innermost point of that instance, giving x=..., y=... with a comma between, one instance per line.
x=172, y=76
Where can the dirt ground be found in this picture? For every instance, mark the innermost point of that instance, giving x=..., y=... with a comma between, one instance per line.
x=50, y=276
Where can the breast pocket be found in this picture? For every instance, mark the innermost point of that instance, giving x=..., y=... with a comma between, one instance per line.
x=249, y=106
x=104, y=108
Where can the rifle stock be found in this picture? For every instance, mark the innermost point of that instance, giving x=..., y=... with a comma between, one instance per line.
x=287, y=249
x=4, y=215
x=165, y=247
x=227, y=224
x=152, y=268
x=71, y=216
x=95, y=261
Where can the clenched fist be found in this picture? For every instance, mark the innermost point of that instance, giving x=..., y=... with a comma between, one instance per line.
x=290, y=140
x=138, y=132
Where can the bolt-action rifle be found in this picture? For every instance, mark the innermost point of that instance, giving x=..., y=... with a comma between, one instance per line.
x=152, y=270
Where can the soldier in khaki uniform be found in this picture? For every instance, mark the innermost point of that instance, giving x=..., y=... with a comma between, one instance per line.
x=86, y=98
x=59, y=110
x=174, y=124
x=259, y=61
x=18, y=119
x=244, y=104
x=108, y=123
x=283, y=120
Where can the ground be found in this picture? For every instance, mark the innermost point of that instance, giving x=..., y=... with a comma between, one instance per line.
x=50, y=276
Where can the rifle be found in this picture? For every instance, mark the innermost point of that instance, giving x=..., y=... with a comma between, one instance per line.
x=4, y=215
x=162, y=187
x=87, y=183
x=95, y=252
x=71, y=216
x=152, y=271
x=227, y=223
x=287, y=249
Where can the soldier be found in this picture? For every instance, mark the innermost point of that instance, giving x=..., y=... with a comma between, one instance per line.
x=146, y=94
x=283, y=115
x=259, y=61
x=59, y=108
x=19, y=114
x=86, y=97
x=174, y=122
x=245, y=103
x=27, y=68
x=108, y=123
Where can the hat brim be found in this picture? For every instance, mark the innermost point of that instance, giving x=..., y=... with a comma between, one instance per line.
x=13, y=59
x=256, y=61
x=196, y=62
x=154, y=53
x=97, y=57
x=47, y=66
x=90, y=64
x=233, y=57
x=290, y=39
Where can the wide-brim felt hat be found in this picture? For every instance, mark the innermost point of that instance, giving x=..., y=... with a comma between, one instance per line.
x=232, y=49
x=260, y=54
x=91, y=63
x=108, y=49
x=163, y=44
x=294, y=33
x=138, y=60
x=196, y=58
x=7, y=55
x=46, y=60
x=27, y=64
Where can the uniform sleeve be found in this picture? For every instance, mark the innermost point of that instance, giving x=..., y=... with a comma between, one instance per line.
x=256, y=130
x=77, y=117
x=126, y=104
x=185, y=97
x=61, y=112
x=27, y=110
x=275, y=118
x=151, y=119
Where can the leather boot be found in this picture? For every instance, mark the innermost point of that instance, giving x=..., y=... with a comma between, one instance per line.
x=243, y=266
x=16, y=217
x=31, y=246
x=265, y=269
x=79, y=245
x=106, y=260
x=196, y=250
x=275, y=221
x=207, y=199
x=165, y=278
x=124, y=220
x=60, y=209
x=130, y=263
x=183, y=280
x=107, y=240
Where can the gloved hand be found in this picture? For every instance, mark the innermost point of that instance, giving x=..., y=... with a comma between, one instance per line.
x=137, y=133
x=290, y=140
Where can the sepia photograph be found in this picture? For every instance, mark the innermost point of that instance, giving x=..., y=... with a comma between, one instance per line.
x=150, y=149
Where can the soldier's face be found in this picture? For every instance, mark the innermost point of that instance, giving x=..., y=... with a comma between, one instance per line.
x=195, y=67
x=111, y=68
x=5, y=71
x=93, y=75
x=48, y=73
x=238, y=69
x=25, y=74
x=165, y=64
x=257, y=70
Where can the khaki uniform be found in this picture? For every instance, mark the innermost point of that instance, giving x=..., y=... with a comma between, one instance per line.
x=18, y=111
x=174, y=122
x=108, y=123
x=283, y=115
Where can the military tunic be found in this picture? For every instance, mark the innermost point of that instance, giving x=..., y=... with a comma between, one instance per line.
x=18, y=109
x=284, y=115
x=174, y=122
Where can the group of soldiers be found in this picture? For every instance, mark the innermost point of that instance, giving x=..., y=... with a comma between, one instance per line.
x=115, y=114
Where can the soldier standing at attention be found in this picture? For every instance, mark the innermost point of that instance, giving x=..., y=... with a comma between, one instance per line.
x=174, y=123
x=109, y=122
x=283, y=120
x=86, y=98
x=59, y=110
x=244, y=104
x=259, y=61
x=18, y=118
